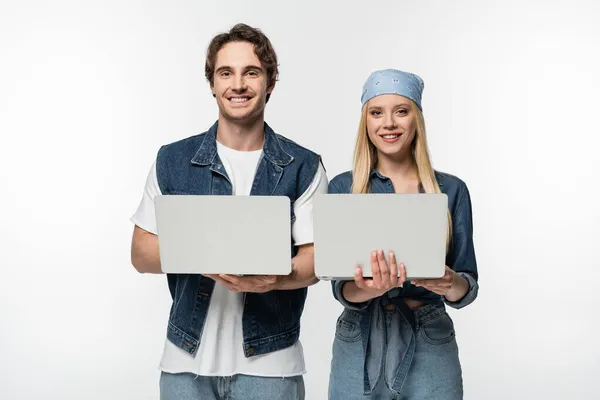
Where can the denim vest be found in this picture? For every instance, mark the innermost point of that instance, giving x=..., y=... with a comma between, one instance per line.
x=270, y=321
x=460, y=258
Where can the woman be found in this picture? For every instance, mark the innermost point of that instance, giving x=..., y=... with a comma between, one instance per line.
x=394, y=339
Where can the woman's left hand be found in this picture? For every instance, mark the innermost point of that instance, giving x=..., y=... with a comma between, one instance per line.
x=445, y=285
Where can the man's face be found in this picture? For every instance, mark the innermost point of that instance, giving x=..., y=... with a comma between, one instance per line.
x=240, y=82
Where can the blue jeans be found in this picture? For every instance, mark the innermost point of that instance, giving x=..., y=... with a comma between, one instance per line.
x=186, y=386
x=434, y=372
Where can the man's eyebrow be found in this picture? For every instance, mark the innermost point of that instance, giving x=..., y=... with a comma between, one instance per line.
x=248, y=67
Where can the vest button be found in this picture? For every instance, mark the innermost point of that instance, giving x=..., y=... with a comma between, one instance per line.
x=250, y=351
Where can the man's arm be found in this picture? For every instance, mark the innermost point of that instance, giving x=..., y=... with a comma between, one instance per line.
x=144, y=252
x=303, y=273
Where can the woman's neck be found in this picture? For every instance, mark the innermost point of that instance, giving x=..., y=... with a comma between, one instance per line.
x=402, y=171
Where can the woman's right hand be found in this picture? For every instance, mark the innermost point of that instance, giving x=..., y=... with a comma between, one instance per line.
x=384, y=279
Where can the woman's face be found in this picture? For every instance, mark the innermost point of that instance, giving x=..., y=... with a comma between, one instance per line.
x=391, y=124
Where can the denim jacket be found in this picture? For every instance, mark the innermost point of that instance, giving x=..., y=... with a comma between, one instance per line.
x=461, y=254
x=270, y=321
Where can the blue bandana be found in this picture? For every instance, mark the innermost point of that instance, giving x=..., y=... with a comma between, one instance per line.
x=393, y=81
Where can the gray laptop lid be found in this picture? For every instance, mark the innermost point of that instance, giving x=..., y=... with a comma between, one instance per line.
x=241, y=235
x=348, y=227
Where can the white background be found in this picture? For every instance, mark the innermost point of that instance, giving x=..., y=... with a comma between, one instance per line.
x=90, y=90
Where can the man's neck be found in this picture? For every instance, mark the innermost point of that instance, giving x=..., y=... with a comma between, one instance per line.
x=248, y=136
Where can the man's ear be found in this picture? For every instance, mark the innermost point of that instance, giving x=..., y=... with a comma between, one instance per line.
x=270, y=89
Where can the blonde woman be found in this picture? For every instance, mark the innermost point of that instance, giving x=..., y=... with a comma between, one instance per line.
x=394, y=339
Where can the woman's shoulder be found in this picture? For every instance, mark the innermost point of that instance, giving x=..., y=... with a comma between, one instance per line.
x=454, y=187
x=341, y=183
x=448, y=181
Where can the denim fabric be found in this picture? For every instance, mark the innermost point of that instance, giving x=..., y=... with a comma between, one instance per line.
x=187, y=386
x=411, y=355
x=271, y=321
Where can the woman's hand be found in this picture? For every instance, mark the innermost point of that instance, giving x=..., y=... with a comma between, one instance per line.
x=384, y=279
x=452, y=286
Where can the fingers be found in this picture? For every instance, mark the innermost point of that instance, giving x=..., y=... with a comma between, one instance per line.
x=235, y=280
x=402, y=278
x=393, y=269
x=375, y=269
x=358, y=279
x=384, y=270
x=224, y=282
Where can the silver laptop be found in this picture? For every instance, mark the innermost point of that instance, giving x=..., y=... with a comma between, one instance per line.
x=240, y=235
x=348, y=227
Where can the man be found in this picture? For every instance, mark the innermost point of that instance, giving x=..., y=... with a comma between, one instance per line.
x=228, y=336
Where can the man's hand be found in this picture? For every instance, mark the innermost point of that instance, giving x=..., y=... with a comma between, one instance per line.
x=302, y=275
x=250, y=283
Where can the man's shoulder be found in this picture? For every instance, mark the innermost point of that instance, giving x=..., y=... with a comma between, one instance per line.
x=185, y=145
x=293, y=148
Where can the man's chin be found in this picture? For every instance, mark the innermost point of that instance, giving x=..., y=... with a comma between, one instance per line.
x=241, y=115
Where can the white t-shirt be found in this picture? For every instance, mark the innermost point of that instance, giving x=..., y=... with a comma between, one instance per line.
x=220, y=352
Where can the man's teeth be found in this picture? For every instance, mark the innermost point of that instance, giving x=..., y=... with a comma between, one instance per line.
x=239, y=99
x=390, y=136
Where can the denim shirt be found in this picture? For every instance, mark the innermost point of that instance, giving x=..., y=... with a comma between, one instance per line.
x=461, y=254
x=270, y=321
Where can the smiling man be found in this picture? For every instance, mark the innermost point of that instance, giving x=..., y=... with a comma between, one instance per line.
x=235, y=337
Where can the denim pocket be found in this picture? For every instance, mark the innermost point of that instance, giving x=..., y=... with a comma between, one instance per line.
x=438, y=330
x=348, y=326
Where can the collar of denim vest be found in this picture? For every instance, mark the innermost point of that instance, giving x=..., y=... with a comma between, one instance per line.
x=271, y=149
x=385, y=178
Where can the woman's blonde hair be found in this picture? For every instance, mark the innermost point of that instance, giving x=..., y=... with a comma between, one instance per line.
x=365, y=159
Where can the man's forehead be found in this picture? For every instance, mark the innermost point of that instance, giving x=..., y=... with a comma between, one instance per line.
x=237, y=55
